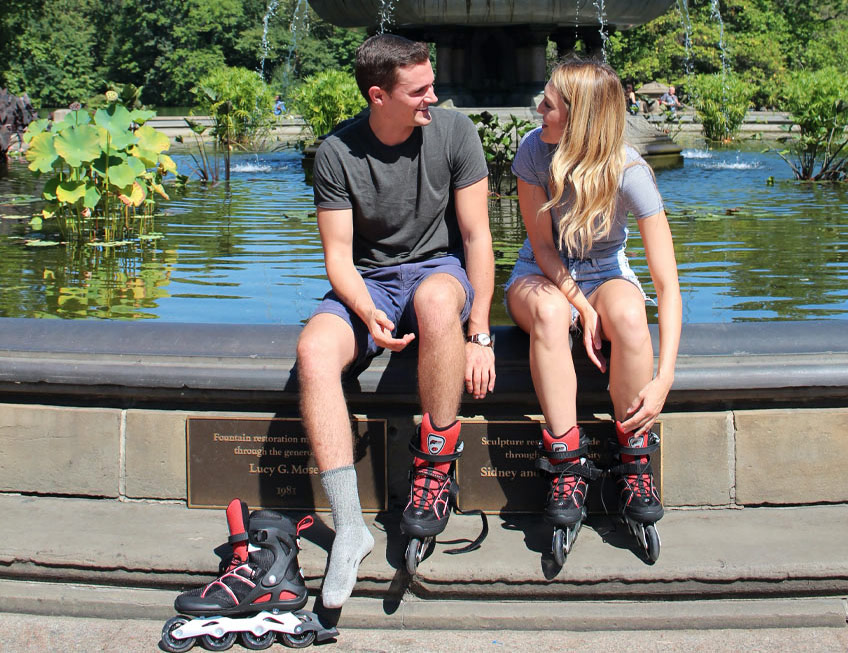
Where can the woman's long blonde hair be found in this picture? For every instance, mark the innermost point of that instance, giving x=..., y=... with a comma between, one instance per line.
x=587, y=164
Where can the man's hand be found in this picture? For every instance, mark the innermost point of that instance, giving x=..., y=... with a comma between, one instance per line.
x=380, y=327
x=479, y=370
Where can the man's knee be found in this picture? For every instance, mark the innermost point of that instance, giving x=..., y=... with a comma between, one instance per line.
x=324, y=348
x=440, y=297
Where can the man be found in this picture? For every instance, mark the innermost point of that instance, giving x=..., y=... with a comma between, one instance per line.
x=401, y=196
x=669, y=99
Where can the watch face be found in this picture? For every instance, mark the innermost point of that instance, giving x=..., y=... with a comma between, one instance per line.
x=483, y=339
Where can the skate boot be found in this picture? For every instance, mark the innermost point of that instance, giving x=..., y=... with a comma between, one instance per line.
x=564, y=458
x=258, y=595
x=638, y=501
x=433, y=491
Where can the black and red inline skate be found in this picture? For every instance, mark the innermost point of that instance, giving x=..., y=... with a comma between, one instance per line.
x=433, y=491
x=638, y=501
x=564, y=459
x=258, y=596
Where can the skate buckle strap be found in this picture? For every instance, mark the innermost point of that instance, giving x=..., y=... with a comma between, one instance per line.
x=631, y=469
x=579, y=452
x=586, y=469
x=484, y=531
x=238, y=537
x=435, y=458
x=650, y=447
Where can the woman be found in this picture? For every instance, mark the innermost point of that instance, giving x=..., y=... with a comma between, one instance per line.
x=630, y=99
x=577, y=182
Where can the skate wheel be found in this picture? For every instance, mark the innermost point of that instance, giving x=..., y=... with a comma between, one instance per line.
x=260, y=643
x=414, y=555
x=169, y=642
x=652, y=542
x=558, y=546
x=298, y=641
x=222, y=643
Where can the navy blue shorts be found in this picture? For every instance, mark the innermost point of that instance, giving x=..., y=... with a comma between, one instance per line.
x=392, y=289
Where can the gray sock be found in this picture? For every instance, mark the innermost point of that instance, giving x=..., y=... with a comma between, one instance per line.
x=353, y=541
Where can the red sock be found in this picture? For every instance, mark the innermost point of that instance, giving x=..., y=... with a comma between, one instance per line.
x=437, y=441
x=629, y=439
x=568, y=441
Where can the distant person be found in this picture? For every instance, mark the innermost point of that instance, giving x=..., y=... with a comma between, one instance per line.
x=630, y=100
x=279, y=106
x=670, y=101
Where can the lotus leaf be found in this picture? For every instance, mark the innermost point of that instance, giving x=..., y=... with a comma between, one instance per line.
x=136, y=196
x=70, y=191
x=41, y=153
x=150, y=139
x=167, y=164
x=92, y=195
x=49, y=192
x=116, y=121
x=35, y=128
x=147, y=157
x=160, y=189
x=73, y=119
x=141, y=116
x=122, y=175
x=78, y=144
x=107, y=162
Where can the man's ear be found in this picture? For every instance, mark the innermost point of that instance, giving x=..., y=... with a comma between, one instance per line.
x=377, y=95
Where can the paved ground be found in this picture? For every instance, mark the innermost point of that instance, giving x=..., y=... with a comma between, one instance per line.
x=29, y=634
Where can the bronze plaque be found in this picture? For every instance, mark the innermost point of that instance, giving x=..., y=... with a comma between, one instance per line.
x=268, y=463
x=497, y=470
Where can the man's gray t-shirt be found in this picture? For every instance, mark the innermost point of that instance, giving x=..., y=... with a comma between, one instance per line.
x=637, y=192
x=402, y=195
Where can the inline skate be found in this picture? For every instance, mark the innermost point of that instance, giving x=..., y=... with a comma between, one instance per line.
x=638, y=502
x=564, y=458
x=433, y=492
x=258, y=595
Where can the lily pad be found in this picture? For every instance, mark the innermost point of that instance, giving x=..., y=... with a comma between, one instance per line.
x=41, y=243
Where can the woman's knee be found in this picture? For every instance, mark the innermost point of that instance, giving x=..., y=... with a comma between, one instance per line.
x=626, y=325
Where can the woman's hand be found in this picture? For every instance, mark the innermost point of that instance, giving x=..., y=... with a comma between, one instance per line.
x=646, y=407
x=591, y=322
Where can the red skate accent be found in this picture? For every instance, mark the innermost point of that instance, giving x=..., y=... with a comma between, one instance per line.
x=305, y=523
x=635, y=485
x=437, y=441
x=263, y=599
x=285, y=595
x=236, y=514
x=565, y=487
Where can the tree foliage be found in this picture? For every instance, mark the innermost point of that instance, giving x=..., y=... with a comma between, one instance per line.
x=62, y=51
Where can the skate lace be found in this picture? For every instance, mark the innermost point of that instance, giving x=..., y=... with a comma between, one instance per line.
x=427, y=485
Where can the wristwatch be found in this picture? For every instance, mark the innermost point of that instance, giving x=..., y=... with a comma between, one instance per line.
x=482, y=339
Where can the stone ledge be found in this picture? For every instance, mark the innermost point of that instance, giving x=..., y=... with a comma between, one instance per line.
x=746, y=363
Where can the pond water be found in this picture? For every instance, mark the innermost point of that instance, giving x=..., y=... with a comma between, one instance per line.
x=249, y=252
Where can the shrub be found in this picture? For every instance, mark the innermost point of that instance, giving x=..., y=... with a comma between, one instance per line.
x=239, y=102
x=721, y=102
x=500, y=143
x=325, y=99
x=818, y=105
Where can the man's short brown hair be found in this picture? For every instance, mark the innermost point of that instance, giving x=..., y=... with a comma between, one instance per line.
x=379, y=57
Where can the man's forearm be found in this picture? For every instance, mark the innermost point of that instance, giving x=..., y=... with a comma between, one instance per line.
x=480, y=266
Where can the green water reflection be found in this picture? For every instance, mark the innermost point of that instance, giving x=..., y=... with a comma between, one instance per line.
x=249, y=252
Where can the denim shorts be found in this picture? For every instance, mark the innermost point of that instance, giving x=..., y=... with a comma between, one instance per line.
x=589, y=274
x=392, y=289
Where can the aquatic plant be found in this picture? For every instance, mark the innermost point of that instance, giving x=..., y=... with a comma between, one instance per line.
x=106, y=166
x=721, y=102
x=818, y=105
x=325, y=99
x=500, y=142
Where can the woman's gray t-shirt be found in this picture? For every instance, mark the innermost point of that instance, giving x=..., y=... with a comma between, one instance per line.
x=637, y=192
x=402, y=196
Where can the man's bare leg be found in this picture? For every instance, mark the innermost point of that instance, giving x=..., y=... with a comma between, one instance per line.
x=325, y=348
x=441, y=346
